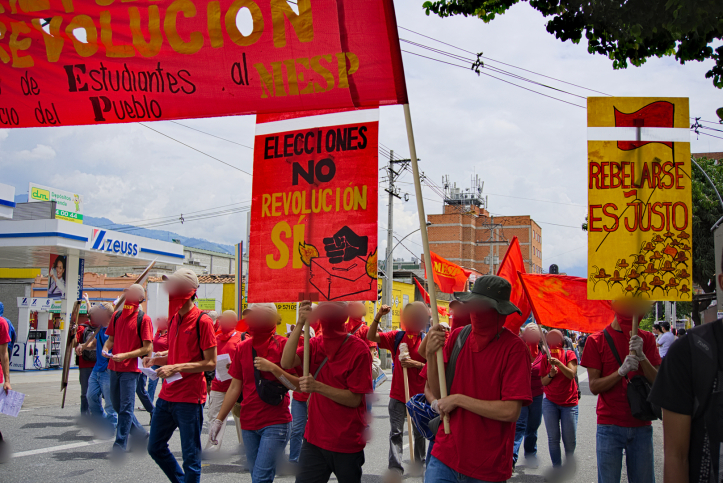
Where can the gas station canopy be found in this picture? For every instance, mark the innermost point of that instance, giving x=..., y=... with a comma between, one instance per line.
x=28, y=244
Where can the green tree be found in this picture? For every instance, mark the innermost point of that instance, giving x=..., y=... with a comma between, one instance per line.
x=706, y=211
x=624, y=31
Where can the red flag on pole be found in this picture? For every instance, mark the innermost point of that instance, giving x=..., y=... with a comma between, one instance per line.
x=510, y=266
x=425, y=296
x=560, y=301
x=448, y=276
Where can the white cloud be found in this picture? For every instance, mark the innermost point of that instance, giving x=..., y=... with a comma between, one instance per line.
x=39, y=152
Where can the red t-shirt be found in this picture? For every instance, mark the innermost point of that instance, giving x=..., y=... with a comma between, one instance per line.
x=4, y=339
x=332, y=426
x=225, y=346
x=186, y=343
x=361, y=332
x=562, y=391
x=82, y=363
x=160, y=341
x=480, y=447
x=536, y=375
x=255, y=413
x=416, y=381
x=612, y=406
x=125, y=338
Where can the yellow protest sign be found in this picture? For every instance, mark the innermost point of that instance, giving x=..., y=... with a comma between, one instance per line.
x=640, y=211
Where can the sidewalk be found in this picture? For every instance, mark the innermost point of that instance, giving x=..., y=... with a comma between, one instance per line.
x=42, y=388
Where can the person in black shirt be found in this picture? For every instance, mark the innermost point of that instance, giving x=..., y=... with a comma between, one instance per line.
x=689, y=388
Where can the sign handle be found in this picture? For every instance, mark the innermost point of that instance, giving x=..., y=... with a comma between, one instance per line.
x=409, y=418
x=427, y=254
x=636, y=323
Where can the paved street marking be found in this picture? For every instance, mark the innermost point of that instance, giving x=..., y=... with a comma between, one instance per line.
x=62, y=447
x=582, y=377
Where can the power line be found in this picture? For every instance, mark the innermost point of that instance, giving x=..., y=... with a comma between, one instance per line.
x=171, y=216
x=197, y=150
x=212, y=135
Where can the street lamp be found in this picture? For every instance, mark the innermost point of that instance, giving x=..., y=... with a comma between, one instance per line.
x=407, y=235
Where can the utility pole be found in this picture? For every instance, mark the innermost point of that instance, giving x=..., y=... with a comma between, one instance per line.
x=493, y=241
x=389, y=262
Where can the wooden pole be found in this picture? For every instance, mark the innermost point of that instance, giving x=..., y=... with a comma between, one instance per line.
x=409, y=418
x=636, y=323
x=307, y=346
x=427, y=254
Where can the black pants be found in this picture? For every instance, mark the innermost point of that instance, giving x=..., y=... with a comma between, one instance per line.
x=317, y=465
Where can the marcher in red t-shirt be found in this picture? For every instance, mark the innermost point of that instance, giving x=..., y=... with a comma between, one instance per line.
x=127, y=342
x=5, y=369
x=160, y=345
x=560, y=405
x=491, y=384
x=191, y=352
x=265, y=416
x=414, y=320
x=530, y=416
x=227, y=338
x=84, y=333
x=340, y=376
x=617, y=429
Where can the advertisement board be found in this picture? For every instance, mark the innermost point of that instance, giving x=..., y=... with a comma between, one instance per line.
x=68, y=206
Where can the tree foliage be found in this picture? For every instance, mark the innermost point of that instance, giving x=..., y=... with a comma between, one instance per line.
x=706, y=211
x=626, y=31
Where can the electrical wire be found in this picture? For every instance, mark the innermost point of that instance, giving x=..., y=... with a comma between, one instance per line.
x=212, y=135
x=197, y=150
x=170, y=216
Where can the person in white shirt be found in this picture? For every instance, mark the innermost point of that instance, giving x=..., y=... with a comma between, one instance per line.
x=665, y=339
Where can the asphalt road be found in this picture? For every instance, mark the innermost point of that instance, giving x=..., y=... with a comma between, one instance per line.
x=49, y=445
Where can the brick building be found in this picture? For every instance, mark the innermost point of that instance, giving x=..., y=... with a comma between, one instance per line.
x=468, y=235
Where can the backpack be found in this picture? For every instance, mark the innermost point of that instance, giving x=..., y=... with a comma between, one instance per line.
x=451, y=369
x=88, y=334
x=13, y=335
x=707, y=374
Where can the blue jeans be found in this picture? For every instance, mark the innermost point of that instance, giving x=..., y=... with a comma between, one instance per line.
x=560, y=421
x=83, y=376
x=143, y=396
x=188, y=418
x=527, y=426
x=264, y=447
x=152, y=385
x=99, y=385
x=638, y=446
x=299, y=415
x=123, y=395
x=438, y=472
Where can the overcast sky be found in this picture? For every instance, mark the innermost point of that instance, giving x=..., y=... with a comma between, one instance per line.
x=529, y=150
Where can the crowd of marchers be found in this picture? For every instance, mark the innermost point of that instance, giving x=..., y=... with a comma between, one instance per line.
x=472, y=425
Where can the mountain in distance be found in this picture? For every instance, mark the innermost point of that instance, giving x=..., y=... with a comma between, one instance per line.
x=163, y=235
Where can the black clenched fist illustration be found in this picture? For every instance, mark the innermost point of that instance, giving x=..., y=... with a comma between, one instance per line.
x=345, y=245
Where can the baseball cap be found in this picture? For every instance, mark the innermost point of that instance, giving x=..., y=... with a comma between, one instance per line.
x=183, y=275
x=264, y=307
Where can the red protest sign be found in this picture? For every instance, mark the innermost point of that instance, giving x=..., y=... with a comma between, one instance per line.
x=448, y=276
x=71, y=62
x=314, y=208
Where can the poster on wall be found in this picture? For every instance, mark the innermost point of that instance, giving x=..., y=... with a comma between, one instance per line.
x=73, y=63
x=68, y=205
x=314, y=207
x=57, y=276
x=639, y=199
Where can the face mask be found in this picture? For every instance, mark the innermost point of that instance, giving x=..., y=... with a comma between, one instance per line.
x=354, y=322
x=176, y=301
x=261, y=337
x=534, y=349
x=130, y=308
x=461, y=320
x=333, y=333
x=626, y=323
x=485, y=327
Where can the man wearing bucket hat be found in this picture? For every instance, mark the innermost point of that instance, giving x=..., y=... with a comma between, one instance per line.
x=486, y=351
x=191, y=351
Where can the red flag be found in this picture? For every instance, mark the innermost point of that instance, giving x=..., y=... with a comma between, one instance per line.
x=560, y=301
x=425, y=296
x=510, y=266
x=448, y=276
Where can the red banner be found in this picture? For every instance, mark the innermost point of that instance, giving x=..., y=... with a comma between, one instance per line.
x=72, y=62
x=560, y=301
x=510, y=266
x=448, y=276
x=314, y=208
